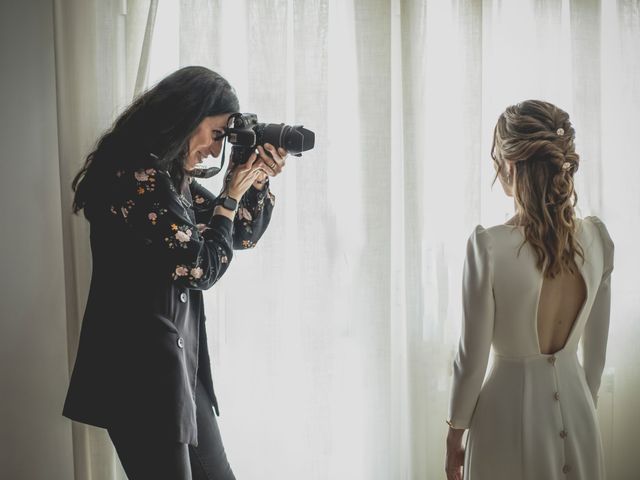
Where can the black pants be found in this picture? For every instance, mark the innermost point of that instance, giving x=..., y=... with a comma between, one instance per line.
x=145, y=458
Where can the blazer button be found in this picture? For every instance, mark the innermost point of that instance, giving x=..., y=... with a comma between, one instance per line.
x=180, y=342
x=552, y=359
x=183, y=297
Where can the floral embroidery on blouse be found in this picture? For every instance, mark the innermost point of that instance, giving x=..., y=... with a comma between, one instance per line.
x=245, y=218
x=126, y=208
x=244, y=214
x=156, y=212
x=181, y=271
x=251, y=220
x=222, y=256
x=260, y=201
x=196, y=255
x=146, y=179
x=181, y=236
x=190, y=273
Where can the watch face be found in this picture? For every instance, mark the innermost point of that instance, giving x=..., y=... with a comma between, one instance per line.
x=229, y=203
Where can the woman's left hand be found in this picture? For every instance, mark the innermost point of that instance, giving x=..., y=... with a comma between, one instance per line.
x=455, y=455
x=271, y=163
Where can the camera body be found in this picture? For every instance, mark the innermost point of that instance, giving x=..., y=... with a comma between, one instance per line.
x=246, y=133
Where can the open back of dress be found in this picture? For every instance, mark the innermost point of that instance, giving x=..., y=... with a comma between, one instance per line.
x=561, y=300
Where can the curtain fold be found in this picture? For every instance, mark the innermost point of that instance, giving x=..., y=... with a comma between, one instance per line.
x=143, y=64
x=400, y=432
x=332, y=341
x=586, y=49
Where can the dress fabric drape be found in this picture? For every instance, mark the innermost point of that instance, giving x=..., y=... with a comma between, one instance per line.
x=339, y=366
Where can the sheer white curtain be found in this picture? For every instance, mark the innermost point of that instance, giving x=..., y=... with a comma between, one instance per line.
x=332, y=341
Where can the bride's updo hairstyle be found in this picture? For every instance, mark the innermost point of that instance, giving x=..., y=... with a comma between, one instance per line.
x=538, y=139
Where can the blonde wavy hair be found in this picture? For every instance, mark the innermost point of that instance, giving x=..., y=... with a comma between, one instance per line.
x=538, y=139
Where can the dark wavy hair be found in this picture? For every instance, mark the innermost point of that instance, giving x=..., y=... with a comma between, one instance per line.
x=159, y=122
x=538, y=139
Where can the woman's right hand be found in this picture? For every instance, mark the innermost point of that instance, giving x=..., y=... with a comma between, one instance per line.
x=240, y=177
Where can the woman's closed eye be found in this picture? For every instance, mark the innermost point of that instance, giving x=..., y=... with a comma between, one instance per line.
x=218, y=135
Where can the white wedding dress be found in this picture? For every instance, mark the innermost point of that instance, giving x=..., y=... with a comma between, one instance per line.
x=534, y=417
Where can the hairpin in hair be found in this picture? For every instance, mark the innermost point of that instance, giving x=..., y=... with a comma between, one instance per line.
x=560, y=132
x=566, y=166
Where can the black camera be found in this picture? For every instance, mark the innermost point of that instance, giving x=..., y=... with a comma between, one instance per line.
x=245, y=134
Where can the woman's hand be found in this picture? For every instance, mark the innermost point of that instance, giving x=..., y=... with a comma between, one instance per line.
x=261, y=165
x=273, y=162
x=455, y=454
x=240, y=177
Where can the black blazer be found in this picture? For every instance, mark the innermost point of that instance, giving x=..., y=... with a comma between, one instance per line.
x=143, y=344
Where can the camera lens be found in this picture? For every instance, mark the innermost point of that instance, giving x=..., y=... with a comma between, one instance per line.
x=295, y=139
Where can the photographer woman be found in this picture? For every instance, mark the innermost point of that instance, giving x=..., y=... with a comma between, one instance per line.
x=158, y=239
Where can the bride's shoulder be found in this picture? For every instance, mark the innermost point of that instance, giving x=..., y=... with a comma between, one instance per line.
x=598, y=228
x=486, y=236
x=498, y=230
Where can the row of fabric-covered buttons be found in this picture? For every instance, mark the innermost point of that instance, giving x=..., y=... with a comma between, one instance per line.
x=556, y=396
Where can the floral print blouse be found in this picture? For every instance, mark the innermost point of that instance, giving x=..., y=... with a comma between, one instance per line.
x=180, y=227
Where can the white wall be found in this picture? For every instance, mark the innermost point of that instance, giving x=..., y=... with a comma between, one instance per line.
x=35, y=440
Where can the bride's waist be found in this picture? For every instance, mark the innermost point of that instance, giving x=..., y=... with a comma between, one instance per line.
x=563, y=356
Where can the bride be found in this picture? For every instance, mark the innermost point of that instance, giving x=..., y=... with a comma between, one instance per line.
x=532, y=288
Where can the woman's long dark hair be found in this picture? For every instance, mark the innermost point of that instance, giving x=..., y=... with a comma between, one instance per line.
x=158, y=122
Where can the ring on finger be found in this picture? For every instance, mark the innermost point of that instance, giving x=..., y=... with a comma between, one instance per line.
x=273, y=165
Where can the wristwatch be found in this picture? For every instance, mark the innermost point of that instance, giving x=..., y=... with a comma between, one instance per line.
x=227, y=202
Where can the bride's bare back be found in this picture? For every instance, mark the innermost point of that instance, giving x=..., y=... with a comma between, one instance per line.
x=561, y=299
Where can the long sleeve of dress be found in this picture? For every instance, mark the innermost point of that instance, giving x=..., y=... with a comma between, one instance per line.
x=470, y=364
x=596, y=330
x=252, y=218
x=149, y=204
